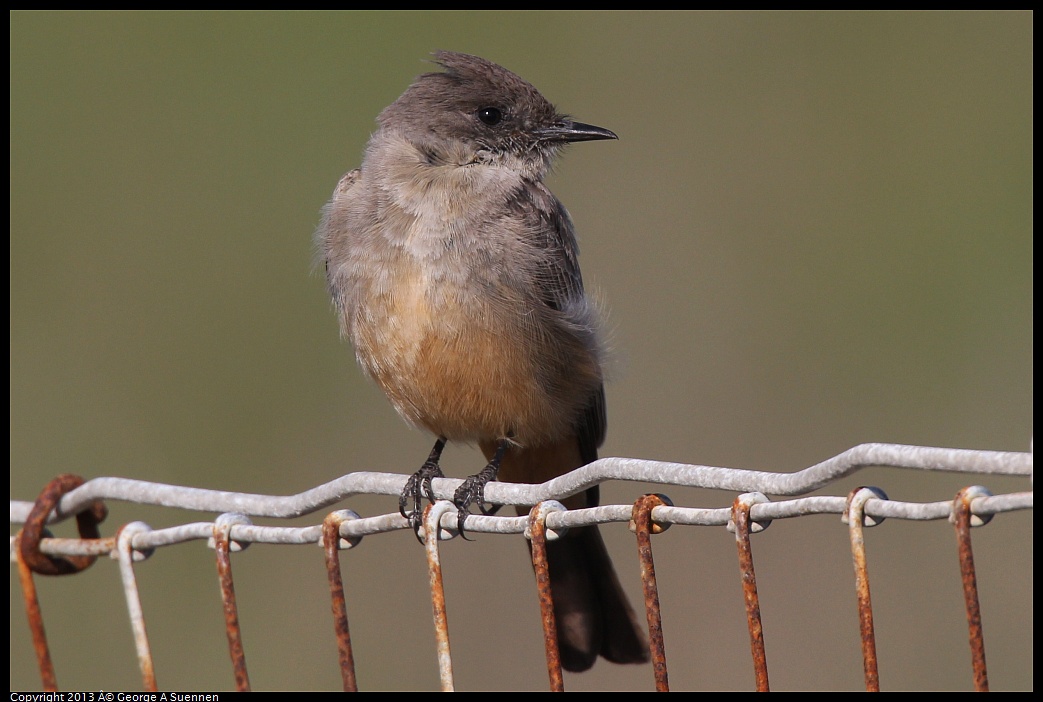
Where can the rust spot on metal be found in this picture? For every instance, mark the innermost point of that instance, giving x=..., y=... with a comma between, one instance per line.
x=432, y=516
x=330, y=543
x=644, y=527
x=538, y=535
x=235, y=639
x=741, y=519
x=32, y=609
x=962, y=520
x=32, y=532
x=855, y=514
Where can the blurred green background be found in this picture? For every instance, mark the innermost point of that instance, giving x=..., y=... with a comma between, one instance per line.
x=814, y=231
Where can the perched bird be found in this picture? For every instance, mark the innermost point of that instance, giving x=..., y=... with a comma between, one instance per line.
x=455, y=275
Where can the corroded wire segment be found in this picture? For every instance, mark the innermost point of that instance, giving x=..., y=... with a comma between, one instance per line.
x=644, y=527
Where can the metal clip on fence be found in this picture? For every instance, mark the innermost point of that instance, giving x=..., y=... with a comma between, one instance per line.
x=87, y=523
x=32, y=560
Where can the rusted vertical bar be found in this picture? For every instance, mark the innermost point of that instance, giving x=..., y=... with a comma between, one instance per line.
x=222, y=547
x=741, y=520
x=432, y=516
x=644, y=527
x=855, y=513
x=331, y=544
x=962, y=520
x=538, y=537
x=130, y=591
x=32, y=609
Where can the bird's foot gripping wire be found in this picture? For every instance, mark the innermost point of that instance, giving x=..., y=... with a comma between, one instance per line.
x=419, y=486
x=472, y=491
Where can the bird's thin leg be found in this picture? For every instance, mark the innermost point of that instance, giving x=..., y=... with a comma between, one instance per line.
x=472, y=491
x=419, y=485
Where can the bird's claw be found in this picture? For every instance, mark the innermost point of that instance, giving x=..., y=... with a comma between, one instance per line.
x=472, y=492
x=417, y=487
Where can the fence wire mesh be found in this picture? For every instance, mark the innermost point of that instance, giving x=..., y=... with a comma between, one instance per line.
x=34, y=550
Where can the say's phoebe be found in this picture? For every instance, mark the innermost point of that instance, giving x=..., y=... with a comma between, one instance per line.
x=455, y=275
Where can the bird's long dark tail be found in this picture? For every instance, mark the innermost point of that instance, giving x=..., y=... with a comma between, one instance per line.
x=591, y=610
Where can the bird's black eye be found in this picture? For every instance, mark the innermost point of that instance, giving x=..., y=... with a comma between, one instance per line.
x=490, y=115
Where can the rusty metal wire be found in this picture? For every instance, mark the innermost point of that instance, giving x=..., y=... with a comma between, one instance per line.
x=752, y=512
x=87, y=522
x=432, y=518
x=538, y=536
x=48, y=681
x=644, y=528
x=332, y=544
x=222, y=543
x=963, y=521
x=742, y=527
x=856, y=519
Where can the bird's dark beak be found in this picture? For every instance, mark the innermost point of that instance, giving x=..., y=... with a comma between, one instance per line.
x=575, y=131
